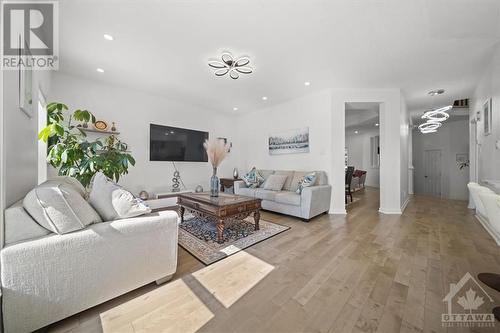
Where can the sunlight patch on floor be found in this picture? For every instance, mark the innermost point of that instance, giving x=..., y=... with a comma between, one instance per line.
x=171, y=308
x=229, y=279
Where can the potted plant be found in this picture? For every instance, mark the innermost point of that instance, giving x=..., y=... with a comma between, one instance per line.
x=73, y=155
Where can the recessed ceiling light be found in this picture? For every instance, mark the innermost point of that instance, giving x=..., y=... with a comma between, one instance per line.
x=307, y=83
x=264, y=98
x=356, y=132
x=376, y=124
x=235, y=109
x=100, y=70
x=108, y=37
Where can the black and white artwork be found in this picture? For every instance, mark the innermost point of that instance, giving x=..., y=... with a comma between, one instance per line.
x=289, y=142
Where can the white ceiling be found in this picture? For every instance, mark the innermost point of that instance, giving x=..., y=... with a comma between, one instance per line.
x=162, y=47
x=361, y=117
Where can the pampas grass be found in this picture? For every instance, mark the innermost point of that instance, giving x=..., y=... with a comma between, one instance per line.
x=216, y=151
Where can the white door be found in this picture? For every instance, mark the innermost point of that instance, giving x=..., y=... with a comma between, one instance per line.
x=432, y=172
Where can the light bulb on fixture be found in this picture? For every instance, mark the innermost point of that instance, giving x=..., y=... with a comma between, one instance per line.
x=376, y=124
x=307, y=83
x=100, y=70
x=108, y=37
x=264, y=98
x=235, y=109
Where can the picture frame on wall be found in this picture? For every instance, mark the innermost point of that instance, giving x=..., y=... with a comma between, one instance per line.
x=294, y=141
x=487, y=114
x=25, y=83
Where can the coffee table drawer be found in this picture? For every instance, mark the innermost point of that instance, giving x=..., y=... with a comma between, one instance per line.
x=197, y=205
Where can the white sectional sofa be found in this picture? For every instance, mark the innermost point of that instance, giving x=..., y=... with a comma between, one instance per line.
x=487, y=205
x=47, y=276
x=313, y=200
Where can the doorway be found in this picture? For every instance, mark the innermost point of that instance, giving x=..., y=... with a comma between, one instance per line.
x=362, y=154
x=432, y=172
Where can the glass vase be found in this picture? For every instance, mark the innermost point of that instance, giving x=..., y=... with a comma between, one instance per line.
x=214, y=184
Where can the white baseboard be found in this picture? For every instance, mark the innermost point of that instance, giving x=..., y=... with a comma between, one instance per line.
x=486, y=224
x=338, y=212
x=389, y=211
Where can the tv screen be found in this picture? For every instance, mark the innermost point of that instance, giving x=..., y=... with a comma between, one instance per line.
x=176, y=144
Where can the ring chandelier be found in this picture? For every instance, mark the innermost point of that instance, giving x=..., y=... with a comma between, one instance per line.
x=230, y=65
x=434, y=117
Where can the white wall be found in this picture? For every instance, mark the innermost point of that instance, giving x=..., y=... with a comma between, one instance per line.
x=311, y=111
x=324, y=113
x=451, y=139
x=133, y=111
x=359, y=152
x=405, y=142
x=20, y=135
x=489, y=146
x=390, y=137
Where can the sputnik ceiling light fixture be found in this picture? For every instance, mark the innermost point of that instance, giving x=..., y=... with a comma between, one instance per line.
x=230, y=65
x=434, y=117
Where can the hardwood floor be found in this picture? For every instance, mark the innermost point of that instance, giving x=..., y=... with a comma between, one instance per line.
x=365, y=272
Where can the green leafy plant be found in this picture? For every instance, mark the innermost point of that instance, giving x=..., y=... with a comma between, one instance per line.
x=73, y=155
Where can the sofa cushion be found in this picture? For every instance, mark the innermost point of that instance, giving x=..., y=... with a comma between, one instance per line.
x=275, y=182
x=266, y=173
x=113, y=202
x=298, y=177
x=321, y=178
x=247, y=192
x=288, y=183
x=265, y=194
x=59, y=208
x=19, y=226
x=253, y=178
x=287, y=198
x=307, y=181
x=69, y=181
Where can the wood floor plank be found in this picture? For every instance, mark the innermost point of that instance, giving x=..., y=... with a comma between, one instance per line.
x=364, y=272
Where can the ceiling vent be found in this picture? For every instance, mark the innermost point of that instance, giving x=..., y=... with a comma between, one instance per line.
x=461, y=103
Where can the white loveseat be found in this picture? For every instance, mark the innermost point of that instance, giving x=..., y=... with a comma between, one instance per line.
x=47, y=276
x=313, y=200
x=487, y=205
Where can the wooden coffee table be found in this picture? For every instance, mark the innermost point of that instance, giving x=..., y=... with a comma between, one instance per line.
x=219, y=209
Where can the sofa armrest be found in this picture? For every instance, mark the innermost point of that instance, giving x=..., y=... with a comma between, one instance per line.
x=239, y=184
x=50, y=278
x=315, y=200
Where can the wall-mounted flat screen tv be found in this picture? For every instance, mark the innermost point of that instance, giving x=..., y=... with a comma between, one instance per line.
x=176, y=144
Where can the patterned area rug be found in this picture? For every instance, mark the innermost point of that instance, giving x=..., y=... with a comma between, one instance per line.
x=198, y=236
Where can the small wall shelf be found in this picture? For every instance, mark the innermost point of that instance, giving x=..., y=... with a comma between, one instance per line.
x=91, y=130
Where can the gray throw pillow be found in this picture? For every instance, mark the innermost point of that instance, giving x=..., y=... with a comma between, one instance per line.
x=275, y=182
x=59, y=208
x=113, y=202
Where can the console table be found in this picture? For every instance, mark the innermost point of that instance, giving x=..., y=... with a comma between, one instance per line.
x=227, y=183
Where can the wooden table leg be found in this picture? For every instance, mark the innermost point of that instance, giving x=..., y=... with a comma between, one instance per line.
x=220, y=231
x=256, y=218
x=181, y=213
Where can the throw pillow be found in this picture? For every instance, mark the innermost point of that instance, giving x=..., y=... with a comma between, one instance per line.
x=59, y=208
x=308, y=180
x=253, y=178
x=275, y=182
x=113, y=202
